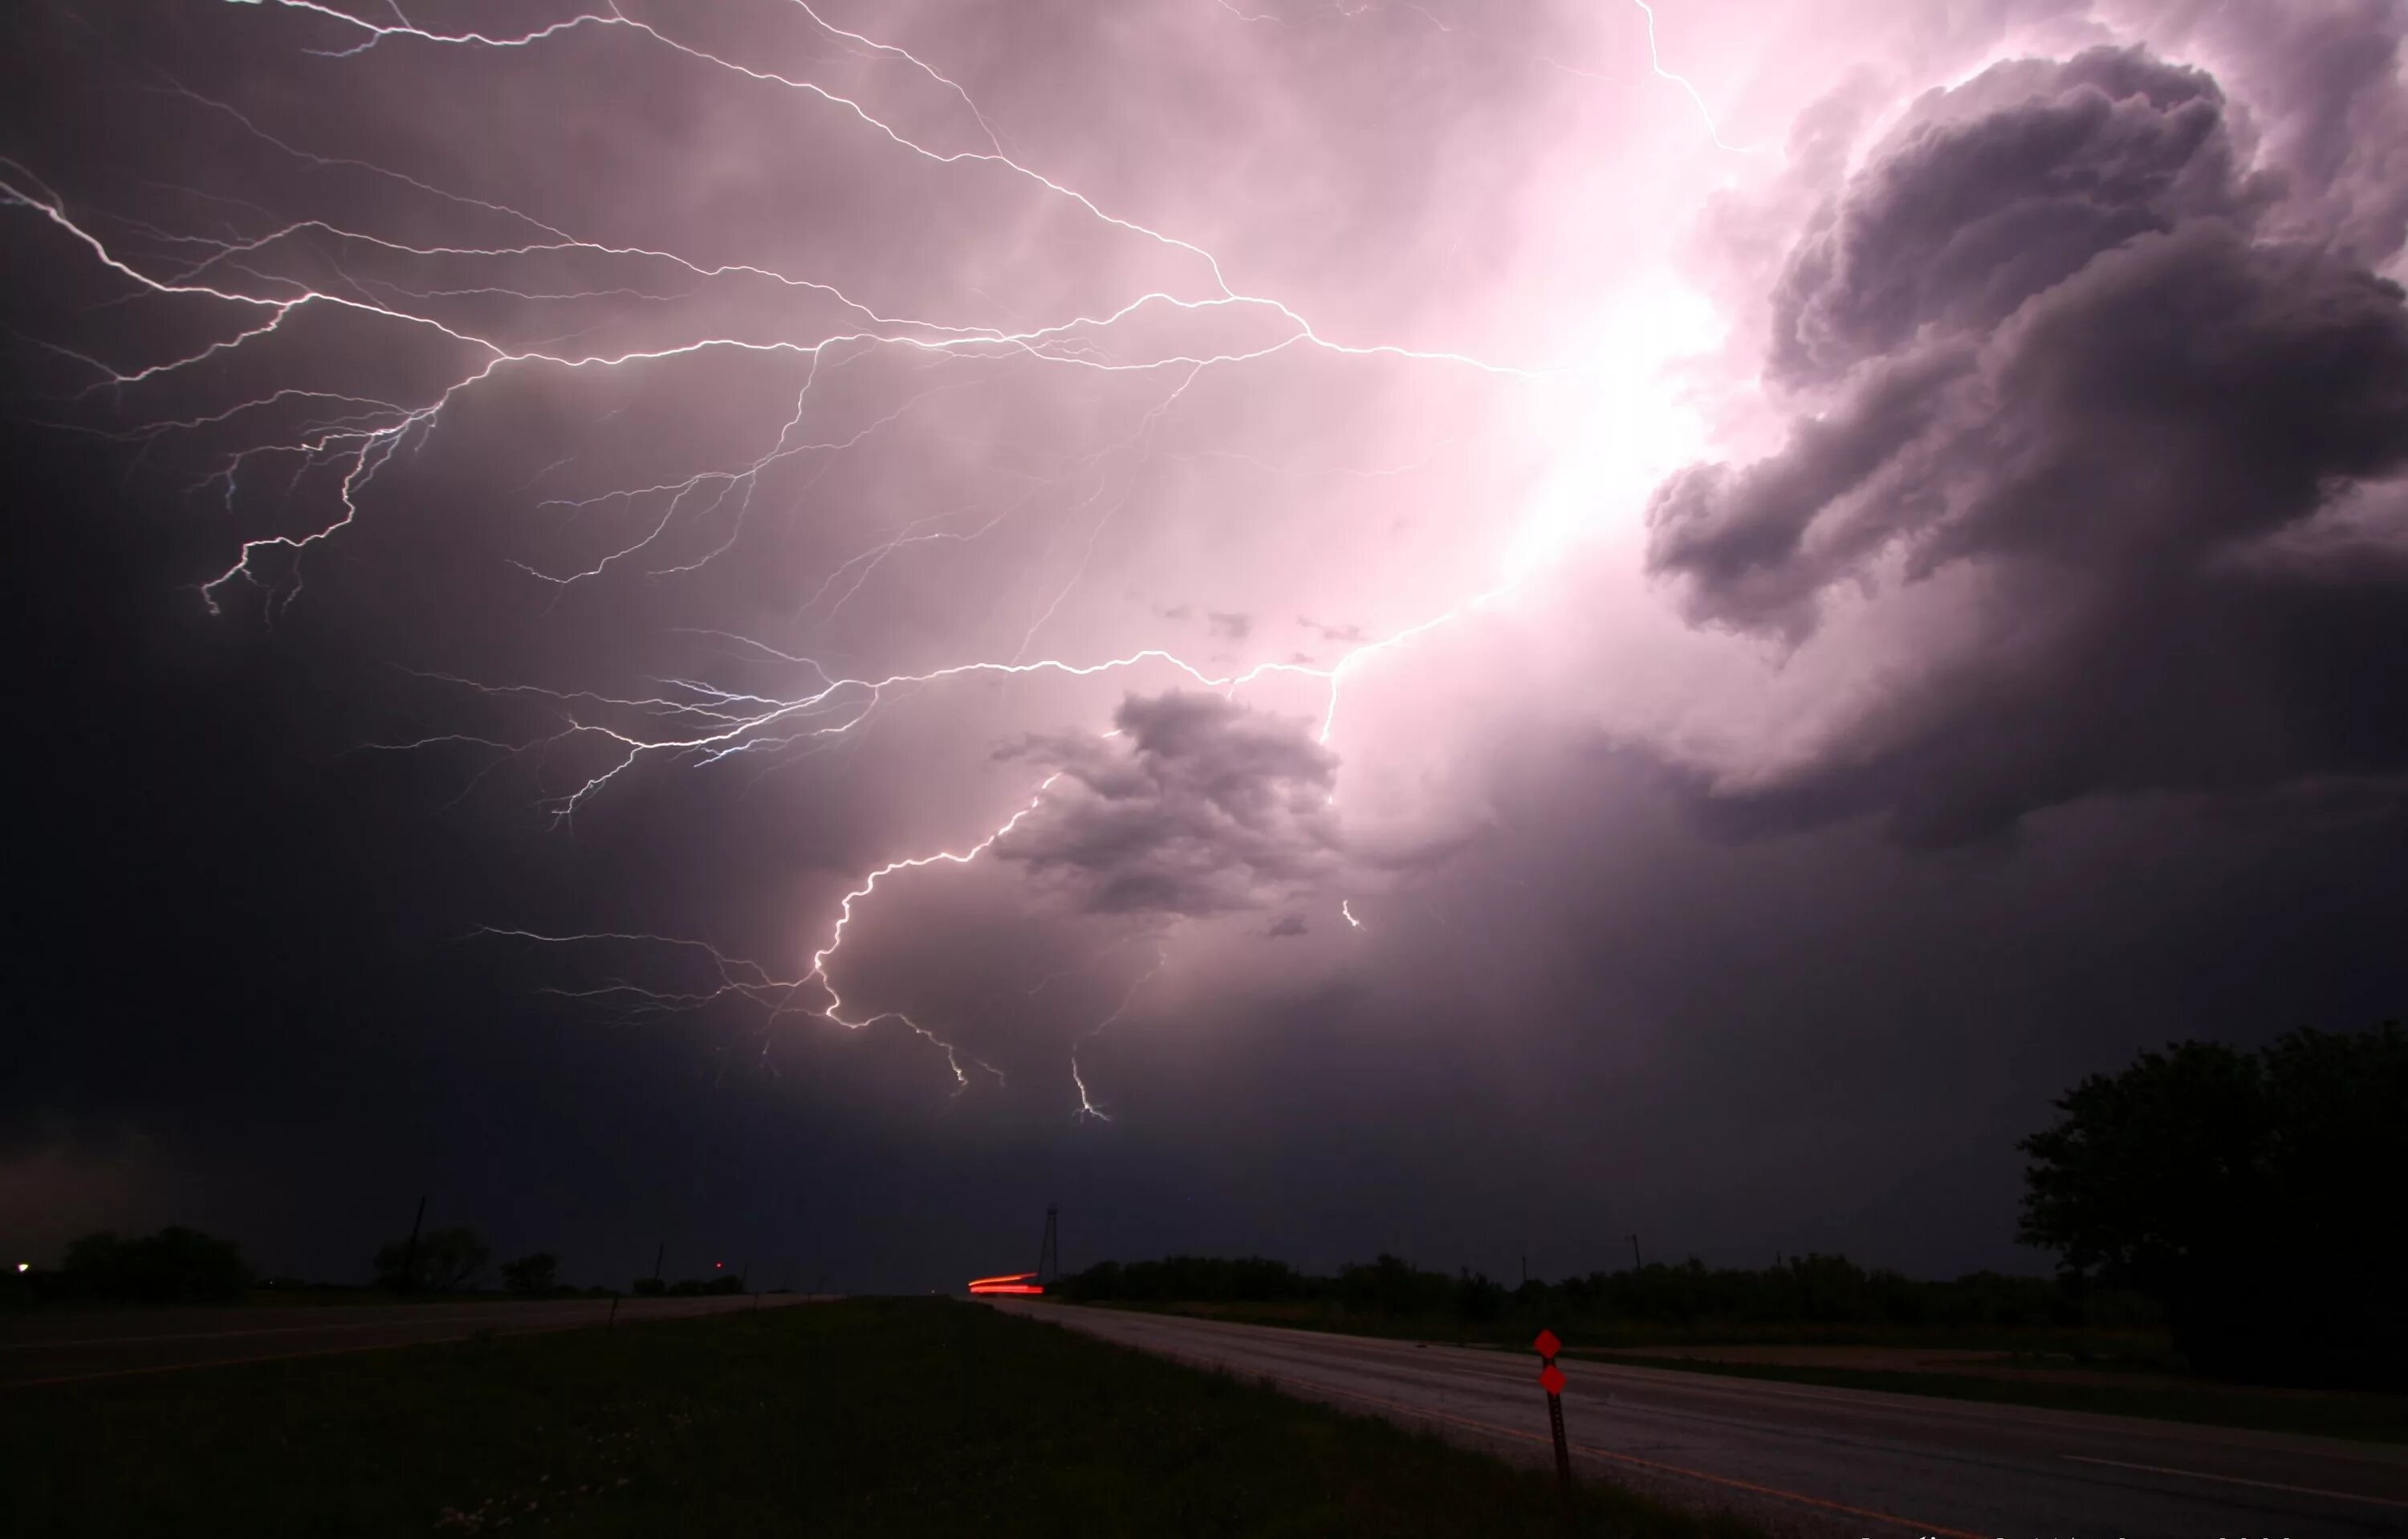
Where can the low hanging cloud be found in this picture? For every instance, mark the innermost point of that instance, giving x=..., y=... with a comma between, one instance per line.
x=2063, y=340
x=1194, y=806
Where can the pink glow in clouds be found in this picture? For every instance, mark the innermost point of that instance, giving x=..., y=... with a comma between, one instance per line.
x=1130, y=478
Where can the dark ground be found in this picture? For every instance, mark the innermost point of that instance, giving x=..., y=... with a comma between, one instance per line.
x=862, y=1417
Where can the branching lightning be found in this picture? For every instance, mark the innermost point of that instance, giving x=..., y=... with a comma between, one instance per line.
x=356, y=436
x=1087, y=1107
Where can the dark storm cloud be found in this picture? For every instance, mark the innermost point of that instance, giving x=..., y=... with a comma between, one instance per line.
x=1285, y=926
x=1739, y=534
x=1196, y=805
x=1964, y=220
x=1232, y=628
x=2058, y=343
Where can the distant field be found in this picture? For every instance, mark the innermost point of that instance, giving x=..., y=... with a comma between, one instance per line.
x=861, y=1417
x=2116, y=1373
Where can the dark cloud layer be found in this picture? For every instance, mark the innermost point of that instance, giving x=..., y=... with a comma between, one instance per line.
x=1194, y=805
x=2057, y=342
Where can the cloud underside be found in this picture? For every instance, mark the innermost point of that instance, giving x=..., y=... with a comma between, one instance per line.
x=1194, y=806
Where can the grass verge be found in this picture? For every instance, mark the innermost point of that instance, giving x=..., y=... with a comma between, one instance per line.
x=899, y=1417
x=2373, y=1418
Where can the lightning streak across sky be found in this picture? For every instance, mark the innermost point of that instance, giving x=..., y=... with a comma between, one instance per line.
x=251, y=279
x=1087, y=1107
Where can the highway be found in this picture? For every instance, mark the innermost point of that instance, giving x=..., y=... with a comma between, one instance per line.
x=1804, y=1460
x=51, y=1348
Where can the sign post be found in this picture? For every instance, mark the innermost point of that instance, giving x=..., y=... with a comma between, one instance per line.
x=1551, y=1379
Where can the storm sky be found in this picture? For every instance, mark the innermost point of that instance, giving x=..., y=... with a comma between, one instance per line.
x=797, y=630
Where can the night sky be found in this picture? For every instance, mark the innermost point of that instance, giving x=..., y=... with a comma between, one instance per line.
x=1460, y=629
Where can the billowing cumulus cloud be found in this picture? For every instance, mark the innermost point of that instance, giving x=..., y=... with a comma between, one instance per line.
x=1194, y=805
x=1997, y=190
x=2058, y=338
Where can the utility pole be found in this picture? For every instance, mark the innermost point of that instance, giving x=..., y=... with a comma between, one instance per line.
x=1636, y=1264
x=1049, y=1254
x=657, y=1257
x=410, y=1255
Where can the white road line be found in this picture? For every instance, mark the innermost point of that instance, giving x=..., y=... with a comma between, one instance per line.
x=2236, y=1480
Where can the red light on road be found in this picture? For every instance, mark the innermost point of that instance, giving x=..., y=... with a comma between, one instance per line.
x=1006, y=1277
x=1027, y=1289
x=1551, y=1379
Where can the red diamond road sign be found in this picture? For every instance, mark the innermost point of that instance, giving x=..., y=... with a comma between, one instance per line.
x=1551, y=1379
x=1546, y=1345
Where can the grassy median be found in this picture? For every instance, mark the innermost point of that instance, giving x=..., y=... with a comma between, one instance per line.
x=879, y=1418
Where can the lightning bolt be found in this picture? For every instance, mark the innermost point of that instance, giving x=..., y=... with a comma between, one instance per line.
x=738, y=978
x=243, y=275
x=1655, y=61
x=1087, y=1107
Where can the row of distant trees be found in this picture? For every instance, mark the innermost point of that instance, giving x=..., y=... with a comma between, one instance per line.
x=454, y=1257
x=181, y=1265
x=1810, y=1289
x=2249, y=1199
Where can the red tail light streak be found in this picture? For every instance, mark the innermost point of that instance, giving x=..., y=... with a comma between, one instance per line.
x=1022, y=1283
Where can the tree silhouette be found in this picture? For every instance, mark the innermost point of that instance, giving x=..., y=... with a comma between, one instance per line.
x=446, y=1259
x=177, y=1265
x=2249, y=1194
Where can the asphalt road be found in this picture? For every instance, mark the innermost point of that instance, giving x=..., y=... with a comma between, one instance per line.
x=54, y=1348
x=1804, y=1460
